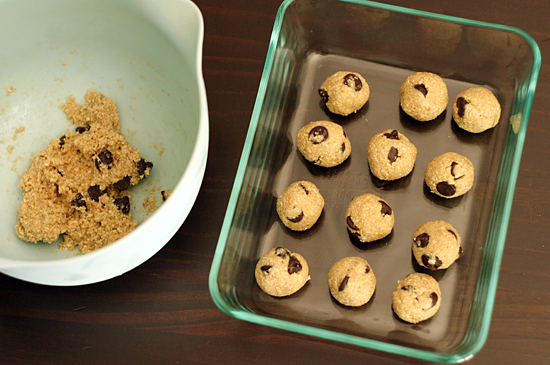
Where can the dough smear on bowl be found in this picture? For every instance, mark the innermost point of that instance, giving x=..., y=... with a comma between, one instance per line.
x=78, y=186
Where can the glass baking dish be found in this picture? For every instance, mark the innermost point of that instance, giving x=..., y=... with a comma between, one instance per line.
x=311, y=40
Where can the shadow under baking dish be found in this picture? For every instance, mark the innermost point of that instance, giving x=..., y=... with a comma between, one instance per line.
x=311, y=40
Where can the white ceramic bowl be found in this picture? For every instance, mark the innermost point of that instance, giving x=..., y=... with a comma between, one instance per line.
x=146, y=56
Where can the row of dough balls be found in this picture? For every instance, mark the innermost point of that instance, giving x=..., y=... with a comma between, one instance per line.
x=436, y=244
x=391, y=156
x=423, y=96
x=351, y=281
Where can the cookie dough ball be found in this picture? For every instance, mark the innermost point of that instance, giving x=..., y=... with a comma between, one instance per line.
x=281, y=273
x=369, y=218
x=300, y=205
x=436, y=245
x=324, y=143
x=449, y=175
x=351, y=281
x=476, y=110
x=391, y=155
x=416, y=298
x=424, y=96
x=344, y=92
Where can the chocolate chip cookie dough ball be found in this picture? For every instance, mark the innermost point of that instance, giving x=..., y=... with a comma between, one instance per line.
x=300, y=205
x=416, y=298
x=324, y=143
x=351, y=281
x=369, y=218
x=424, y=96
x=344, y=92
x=476, y=110
x=449, y=175
x=436, y=245
x=281, y=273
x=391, y=155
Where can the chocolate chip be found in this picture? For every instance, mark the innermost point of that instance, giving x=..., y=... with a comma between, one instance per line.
x=452, y=232
x=343, y=148
x=303, y=187
x=343, y=283
x=393, y=154
x=297, y=218
x=353, y=81
x=426, y=261
x=294, y=265
x=122, y=184
x=123, y=204
x=281, y=252
x=422, y=240
x=392, y=135
x=103, y=158
x=434, y=297
x=62, y=140
x=407, y=287
x=446, y=189
x=106, y=157
x=60, y=173
x=95, y=192
x=164, y=195
x=351, y=224
x=367, y=270
x=385, y=210
x=461, y=106
x=82, y=129
x=143, y=165
x=421, y=88
x=318, y=134
x=266, y=268
x=453, y=164
x=324, y=95
x=78, y=201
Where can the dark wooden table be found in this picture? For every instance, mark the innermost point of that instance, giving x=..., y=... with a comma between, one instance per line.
x=161, y=312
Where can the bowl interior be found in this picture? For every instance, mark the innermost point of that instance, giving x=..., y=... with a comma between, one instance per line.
x=126, y=50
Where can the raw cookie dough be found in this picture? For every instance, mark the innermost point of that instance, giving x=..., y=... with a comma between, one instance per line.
x=344, y=92
x=369, y=218
x=423, y=96
x=476, y=110
x=416, y=297
x=77, y=187
x=300, y=205
x=391, y=155
x=449, y=175
x=436, y=245
x=323, y=143
x=351, y=281
x=281, y=273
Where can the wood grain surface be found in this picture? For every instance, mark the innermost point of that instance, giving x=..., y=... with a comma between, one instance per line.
x=162, y=313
